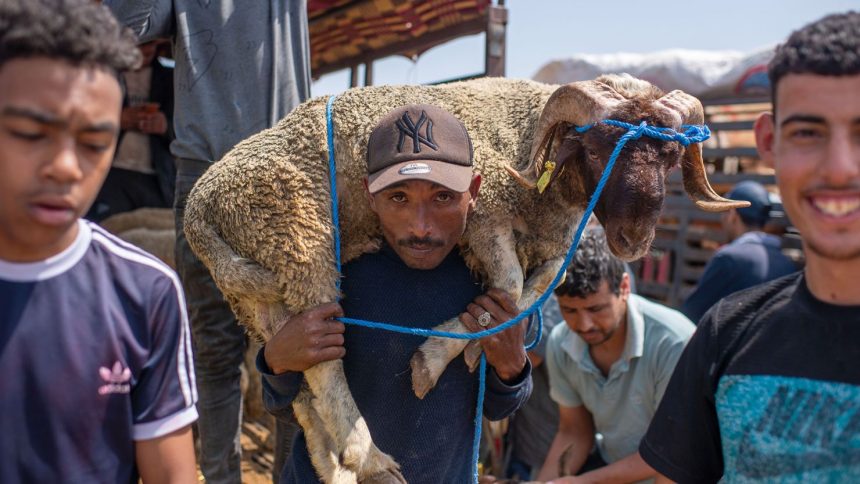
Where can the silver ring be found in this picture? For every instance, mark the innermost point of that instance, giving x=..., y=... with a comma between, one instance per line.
x=485, y=319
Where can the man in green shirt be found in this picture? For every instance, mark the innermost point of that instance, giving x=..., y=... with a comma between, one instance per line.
x=608, y=367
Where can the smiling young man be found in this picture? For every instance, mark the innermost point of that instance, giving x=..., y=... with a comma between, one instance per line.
x=608, y=368
x=96, y=382
x=421, y=186
x=768, y=388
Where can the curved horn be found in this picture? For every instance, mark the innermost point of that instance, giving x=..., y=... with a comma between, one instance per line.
x=690, y=111
x=577, y=103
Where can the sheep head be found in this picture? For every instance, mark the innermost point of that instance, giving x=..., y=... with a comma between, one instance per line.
x=632, y=199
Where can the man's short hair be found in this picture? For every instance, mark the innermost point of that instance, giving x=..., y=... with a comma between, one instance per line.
x=591, y=265
x=827, y=47
x=81, y=32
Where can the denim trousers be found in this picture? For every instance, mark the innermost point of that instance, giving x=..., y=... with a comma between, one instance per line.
x=219, y=345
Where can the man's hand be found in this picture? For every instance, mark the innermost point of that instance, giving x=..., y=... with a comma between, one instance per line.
x=306, y=339
x=144, y=118
x=505, y=351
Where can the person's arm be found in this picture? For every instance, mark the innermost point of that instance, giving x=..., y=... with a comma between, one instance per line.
x=148, y=19
x=509, y=383
x=661, y=479
x=575, y=432
x=629, y=469
x=501, y=397
x=168, y=459
x=304, y=340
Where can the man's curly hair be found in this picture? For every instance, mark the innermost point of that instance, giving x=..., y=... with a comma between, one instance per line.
x=591, y=265
x=827, y=47
x=80, y=32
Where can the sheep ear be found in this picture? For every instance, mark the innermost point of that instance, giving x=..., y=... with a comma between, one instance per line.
x=569, y=148
x=529, y=176
x=525, y=181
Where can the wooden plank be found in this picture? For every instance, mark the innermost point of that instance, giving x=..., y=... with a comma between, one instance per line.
x=494, y=53
x=419, y=44
x=697, y=234
x=652, y=290
x=691, y=273
x=730, y=126
x=663, y=244
x=708, y=153
x=691, y=254
x=726, y=178
x=735, y=100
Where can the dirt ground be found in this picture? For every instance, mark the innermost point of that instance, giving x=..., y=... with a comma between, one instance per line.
x=257, y=458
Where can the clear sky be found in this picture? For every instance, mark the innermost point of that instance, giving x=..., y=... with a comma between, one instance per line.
x=540, y=31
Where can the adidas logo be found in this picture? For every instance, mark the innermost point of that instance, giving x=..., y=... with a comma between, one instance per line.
x=116, y=379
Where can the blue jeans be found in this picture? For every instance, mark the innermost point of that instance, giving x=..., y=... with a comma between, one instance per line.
x=219, y=344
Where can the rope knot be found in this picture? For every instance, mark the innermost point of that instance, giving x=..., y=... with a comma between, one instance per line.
x=638, y=131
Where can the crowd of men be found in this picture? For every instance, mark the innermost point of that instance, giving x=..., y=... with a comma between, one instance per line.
x=104, y=367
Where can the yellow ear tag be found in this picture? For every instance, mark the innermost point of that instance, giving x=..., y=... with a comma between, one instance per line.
x=543, y=181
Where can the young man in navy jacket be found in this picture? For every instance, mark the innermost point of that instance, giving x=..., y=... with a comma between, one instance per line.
x=96, y=373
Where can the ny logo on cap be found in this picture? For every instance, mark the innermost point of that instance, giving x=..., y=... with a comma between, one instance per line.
x=413, y=130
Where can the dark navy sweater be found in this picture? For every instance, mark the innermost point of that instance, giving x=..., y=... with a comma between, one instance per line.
x=431, y=439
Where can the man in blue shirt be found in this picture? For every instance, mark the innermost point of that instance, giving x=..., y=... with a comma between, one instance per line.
x=753, y=257
x=96, y=372
x=421, y=186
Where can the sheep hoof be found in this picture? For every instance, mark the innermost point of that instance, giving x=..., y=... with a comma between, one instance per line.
x=472, y=355
x=380, y=468
x=388, y=476
x=422, y=379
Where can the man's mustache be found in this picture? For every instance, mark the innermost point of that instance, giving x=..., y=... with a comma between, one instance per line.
x=421, y=242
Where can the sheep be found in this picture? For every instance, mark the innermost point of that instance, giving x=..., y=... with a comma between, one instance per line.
x=260, y=218
x=151, y=229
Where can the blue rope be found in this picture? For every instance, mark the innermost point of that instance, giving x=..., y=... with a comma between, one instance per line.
x=536, y=341
x=479, y=417
x=332, y=181
x=691, y=134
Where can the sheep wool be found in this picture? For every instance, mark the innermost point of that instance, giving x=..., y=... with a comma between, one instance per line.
x=260, y=219
x=269, y=197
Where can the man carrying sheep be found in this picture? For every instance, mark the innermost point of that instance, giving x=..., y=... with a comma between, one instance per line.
x=422, y=187
x=96, y=373
x=608, y=368
x=768, y=389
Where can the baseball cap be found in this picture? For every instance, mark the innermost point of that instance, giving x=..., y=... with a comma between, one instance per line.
x=419, y=142
x=759, y=210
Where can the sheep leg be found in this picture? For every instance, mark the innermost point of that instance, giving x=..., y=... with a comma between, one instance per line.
x=320, y=444
x=534, y=288
x=504, y=271
x=321, y=447
x=234, y=274
x=347, y=429
x=339, y=442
